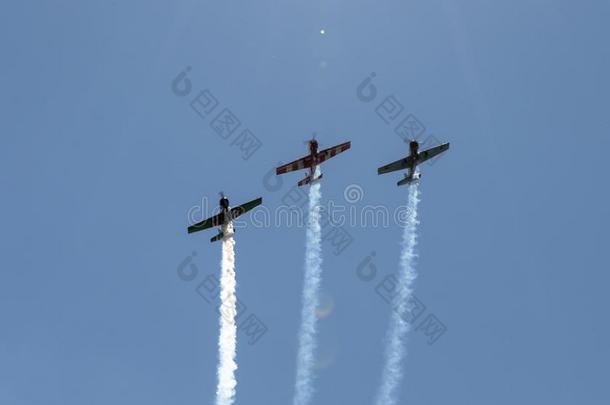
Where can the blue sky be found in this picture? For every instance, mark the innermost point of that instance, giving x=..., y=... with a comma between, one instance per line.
x=100, y=163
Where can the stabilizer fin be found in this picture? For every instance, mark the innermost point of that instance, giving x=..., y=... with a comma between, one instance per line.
x=217, y=237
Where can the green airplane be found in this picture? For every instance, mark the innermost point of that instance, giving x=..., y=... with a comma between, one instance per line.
x=411, y=162
x=226, y=215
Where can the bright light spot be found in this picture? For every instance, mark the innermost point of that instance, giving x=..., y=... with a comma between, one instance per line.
x=322, y=31
x=325, y=306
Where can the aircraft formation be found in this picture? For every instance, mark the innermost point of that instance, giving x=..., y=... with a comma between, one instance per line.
x=310, y=162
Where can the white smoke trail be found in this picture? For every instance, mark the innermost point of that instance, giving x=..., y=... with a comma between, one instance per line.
x=395, y=349
x=225, y=392
x=311, y=286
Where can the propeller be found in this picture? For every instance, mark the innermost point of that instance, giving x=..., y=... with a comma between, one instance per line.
x=313, y=138
x=224, y=201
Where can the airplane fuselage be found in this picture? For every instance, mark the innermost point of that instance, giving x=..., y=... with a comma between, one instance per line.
x=413, y=150
x=313, y=157
x=225, y=208
x=313, y=153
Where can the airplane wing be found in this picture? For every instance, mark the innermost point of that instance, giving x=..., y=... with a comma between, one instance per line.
x=216, y=220
x=326, y=154
x=237, y=211
x=296, y=165
x=430, y=153
x=398, y=165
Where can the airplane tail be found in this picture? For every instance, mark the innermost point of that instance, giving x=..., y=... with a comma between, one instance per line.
x=308, y=180
x=409, y=179
x=221, y=235
x=404, y=181
x=217, y=237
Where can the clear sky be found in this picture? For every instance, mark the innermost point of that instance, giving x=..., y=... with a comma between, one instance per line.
x=100, y=162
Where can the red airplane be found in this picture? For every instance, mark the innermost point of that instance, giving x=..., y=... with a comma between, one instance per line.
x=311, y=161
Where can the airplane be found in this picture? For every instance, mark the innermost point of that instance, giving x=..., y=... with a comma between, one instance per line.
x=226, y=215
x=312, y=160
x=410, y=162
